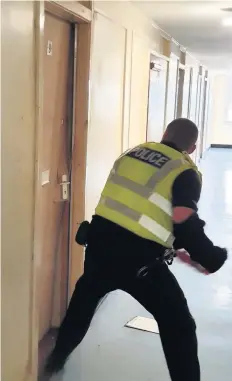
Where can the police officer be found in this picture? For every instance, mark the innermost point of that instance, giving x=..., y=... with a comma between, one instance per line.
x=148, y=207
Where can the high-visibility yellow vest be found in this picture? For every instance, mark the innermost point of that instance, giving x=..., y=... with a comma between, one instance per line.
x=138, y=192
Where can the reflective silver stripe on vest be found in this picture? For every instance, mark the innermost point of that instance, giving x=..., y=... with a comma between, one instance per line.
x=121, y=208
x=164, y=171
x=144, y=190
x=130, y=184
x=161, y=202
x=156, y=229
x=145, y=221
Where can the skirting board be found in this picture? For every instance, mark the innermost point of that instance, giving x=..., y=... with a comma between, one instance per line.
x=143, y=324
x=221, y=145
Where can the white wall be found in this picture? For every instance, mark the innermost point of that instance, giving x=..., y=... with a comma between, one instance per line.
x=113, y=110
x=121, y=44
x=220, y=132
x=18, y=153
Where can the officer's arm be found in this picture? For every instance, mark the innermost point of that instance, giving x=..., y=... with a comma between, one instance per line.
x=189, y=228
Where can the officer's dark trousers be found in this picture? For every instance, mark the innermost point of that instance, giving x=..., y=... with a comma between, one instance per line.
x=112, y=260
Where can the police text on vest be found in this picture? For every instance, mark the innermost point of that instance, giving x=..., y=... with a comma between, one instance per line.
x=149, y=156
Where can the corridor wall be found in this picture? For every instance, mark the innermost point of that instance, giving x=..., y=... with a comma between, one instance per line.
x=220, y=126
x=18, y=154
x=122, y=39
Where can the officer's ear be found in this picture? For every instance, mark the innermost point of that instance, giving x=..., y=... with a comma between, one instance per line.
x=192, y=149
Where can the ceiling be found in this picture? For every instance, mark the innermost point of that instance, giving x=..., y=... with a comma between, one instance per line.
x=197, y=25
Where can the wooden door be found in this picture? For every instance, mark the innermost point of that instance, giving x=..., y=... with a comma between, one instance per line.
x=55, y=157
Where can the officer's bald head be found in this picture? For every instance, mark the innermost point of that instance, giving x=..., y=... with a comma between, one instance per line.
x=183, y=133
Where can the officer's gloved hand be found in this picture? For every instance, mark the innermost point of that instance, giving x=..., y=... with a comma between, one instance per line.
x=218, y=257
x=190, y=235
x=185, y=258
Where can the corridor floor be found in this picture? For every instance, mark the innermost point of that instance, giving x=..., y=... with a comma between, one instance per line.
x=111, y=352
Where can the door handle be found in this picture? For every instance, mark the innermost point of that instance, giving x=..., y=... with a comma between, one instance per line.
x=65, y=188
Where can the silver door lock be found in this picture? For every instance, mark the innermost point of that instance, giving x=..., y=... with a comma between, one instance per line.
x=64, y=187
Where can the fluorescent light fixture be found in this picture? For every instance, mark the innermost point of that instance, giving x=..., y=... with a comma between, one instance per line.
x=227, y=21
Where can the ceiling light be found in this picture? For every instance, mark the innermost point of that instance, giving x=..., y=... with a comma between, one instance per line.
x=227, y=21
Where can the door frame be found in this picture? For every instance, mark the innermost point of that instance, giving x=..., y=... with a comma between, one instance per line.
x=180, y=90
x=177, y=87
x=190, y=92
x=172, y=57
x=166, y=59
x=204, y=113
x=82, y=17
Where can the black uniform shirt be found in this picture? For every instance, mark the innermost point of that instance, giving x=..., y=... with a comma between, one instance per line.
x=186, y=188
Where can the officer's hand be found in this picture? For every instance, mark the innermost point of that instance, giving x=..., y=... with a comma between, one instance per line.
x=191, y=236
x=184, y=257
x=218, y=257
x=213, y=259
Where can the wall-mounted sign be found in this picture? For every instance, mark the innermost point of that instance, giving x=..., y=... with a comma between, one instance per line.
x=45, y=177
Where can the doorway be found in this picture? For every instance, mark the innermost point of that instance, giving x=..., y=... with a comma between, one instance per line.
x=63, y=41
x=171, y=102
x=199, y=111
x=193, y=100
x=156, y=98
x=180, y=88
x=55, y=176
x=186, y=92
x=203, y=121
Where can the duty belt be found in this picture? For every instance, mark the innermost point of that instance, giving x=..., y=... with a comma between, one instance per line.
x=166, y=257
